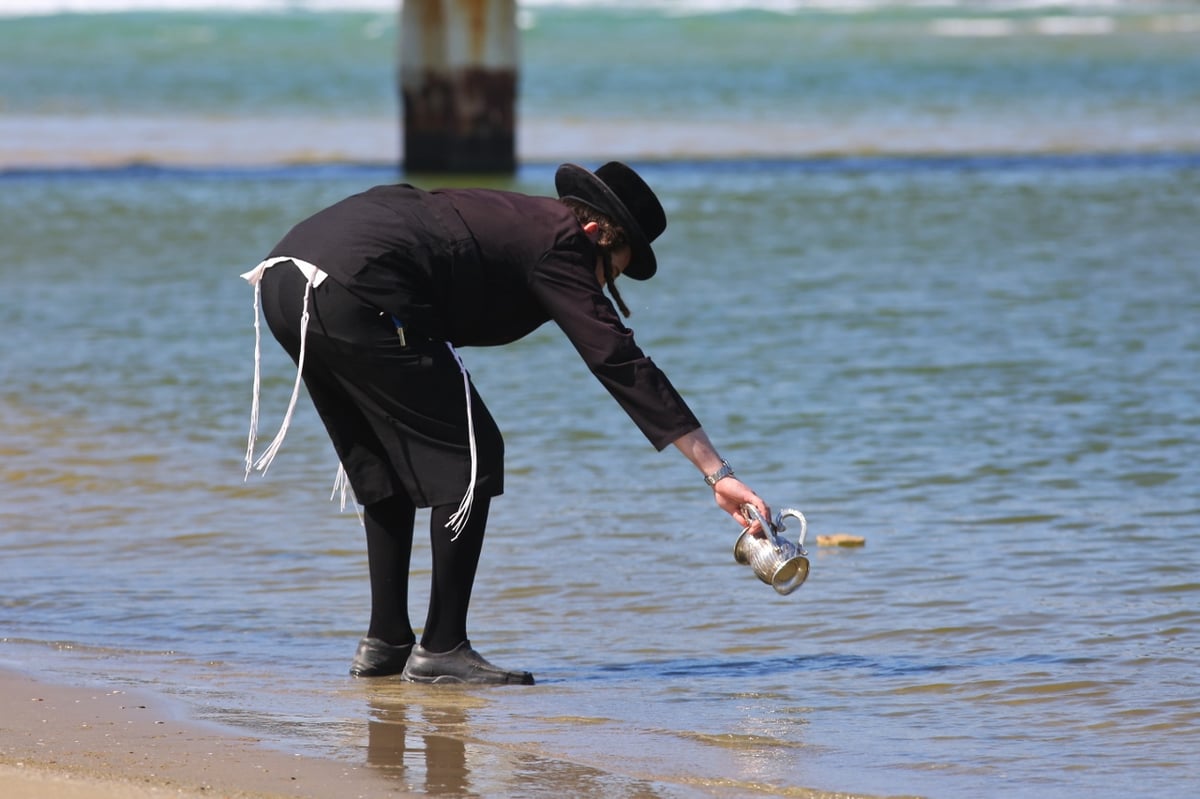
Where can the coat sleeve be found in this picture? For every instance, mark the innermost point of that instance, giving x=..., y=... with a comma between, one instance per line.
x=566, y=287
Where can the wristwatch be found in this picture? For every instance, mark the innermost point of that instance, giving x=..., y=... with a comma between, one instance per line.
x=720, y=474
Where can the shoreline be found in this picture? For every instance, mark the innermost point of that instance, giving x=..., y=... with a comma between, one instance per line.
x=97, y=142
x=69, y=742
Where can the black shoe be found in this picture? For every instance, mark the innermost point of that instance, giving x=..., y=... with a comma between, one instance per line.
x=376, y=658
x=462, y=664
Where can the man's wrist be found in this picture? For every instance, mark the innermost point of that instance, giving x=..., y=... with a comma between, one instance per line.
x=720, y=474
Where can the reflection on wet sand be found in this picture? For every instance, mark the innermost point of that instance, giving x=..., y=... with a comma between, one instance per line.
x=407, y=741
x=432, y=741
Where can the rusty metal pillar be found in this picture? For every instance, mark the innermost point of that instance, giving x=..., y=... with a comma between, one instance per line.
x=458, y=85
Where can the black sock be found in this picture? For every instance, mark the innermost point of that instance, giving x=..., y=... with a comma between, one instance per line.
x=389, y=525
x=454, y=564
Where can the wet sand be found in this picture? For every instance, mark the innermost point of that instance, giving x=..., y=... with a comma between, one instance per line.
x=72, y=742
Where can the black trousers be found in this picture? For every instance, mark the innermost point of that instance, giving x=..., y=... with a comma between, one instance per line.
x=396, y=412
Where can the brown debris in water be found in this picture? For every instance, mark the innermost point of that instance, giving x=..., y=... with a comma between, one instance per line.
x=841, y=540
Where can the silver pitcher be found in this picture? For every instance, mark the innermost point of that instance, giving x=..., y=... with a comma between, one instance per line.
x=778, y=562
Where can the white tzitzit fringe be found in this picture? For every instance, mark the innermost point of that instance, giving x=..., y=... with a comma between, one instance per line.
x=341, y=482
x=254, y=277
x=257, y=378
x=458, y=521
x=264, y=461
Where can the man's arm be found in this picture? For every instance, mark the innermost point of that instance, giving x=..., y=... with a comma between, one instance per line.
x=729, y=492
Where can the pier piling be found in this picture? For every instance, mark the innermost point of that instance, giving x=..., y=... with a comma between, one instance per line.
x=458, y=85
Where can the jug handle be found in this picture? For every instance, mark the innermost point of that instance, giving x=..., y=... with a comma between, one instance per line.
x=751, y=513
x=795, y=514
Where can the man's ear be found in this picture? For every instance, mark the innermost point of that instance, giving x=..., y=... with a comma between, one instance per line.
x=592, y=229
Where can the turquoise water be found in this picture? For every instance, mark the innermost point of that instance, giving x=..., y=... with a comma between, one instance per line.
x=917, y=78
x=985, y=364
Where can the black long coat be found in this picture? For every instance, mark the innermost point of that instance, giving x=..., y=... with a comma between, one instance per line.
x=480, y=267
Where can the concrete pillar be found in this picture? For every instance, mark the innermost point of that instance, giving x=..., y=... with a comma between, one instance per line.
x=458, y=83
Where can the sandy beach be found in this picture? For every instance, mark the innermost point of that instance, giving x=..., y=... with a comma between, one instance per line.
x=71, y=742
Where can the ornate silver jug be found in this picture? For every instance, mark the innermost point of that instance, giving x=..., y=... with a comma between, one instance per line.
x=778, y=562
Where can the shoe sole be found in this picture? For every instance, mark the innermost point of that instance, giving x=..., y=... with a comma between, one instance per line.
x=449, y=679
x=440, y=679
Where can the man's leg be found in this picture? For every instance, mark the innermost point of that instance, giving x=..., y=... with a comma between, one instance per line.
x=444, y=654
x=389, y=525
x=454, y=565
x=389, y=640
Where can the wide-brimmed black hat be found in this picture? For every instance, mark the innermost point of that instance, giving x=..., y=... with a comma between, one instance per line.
x=618, y=192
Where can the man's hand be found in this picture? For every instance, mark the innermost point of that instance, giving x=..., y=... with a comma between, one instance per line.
x=731, y=494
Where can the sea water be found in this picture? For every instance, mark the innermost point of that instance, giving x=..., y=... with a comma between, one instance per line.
x=982, y=356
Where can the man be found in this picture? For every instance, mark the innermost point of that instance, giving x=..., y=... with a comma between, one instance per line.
x=372, y=295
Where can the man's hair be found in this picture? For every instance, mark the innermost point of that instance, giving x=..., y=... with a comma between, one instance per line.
x=612, y=238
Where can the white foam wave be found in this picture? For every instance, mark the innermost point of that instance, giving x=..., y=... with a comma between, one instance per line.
x=982, y=27
x=45, y=7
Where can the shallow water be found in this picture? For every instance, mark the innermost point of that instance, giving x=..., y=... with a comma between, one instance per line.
x=985, y=367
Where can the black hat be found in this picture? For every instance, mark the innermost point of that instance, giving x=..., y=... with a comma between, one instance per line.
x=618, y=192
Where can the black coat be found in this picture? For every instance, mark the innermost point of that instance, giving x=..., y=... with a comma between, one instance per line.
x=480, y=267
